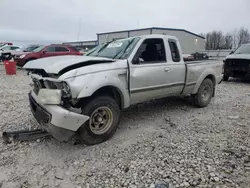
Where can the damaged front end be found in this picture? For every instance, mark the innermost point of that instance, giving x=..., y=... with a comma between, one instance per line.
x=238, y=68
x=50, y=105
x=50, y=90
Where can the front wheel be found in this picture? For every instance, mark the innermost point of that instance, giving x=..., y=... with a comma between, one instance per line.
x=205, y=94
x=104, y=117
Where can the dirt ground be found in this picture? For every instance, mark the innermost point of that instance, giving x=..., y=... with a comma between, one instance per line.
x=162, y=143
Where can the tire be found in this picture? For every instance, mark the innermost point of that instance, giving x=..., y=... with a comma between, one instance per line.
x=96, y=109
x=225, y=78
x=205, y=94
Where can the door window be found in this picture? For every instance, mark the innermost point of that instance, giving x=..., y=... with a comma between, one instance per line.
x=151, y=51
x=14, y=47
x=174, y=51
x=61, y=49
x=50, y=49
x=6, y=48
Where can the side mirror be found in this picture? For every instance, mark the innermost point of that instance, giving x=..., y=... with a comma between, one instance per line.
x=138, y=61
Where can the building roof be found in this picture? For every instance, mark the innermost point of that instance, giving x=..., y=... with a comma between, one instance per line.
x=81, y=41
x=150, y=28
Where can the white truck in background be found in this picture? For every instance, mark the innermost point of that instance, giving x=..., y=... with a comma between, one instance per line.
x=85, y=94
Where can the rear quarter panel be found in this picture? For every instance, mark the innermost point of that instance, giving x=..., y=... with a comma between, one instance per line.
x=197, y=71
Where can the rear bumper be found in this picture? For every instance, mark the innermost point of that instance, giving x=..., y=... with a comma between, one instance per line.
x=59, y=122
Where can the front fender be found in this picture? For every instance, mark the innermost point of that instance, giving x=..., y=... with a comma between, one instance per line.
x=206, y=73
x=99, y=81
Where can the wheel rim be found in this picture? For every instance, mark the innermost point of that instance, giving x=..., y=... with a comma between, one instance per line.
x=206, y=92
x=101, y=120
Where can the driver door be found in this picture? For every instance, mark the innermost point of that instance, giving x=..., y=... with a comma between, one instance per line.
x=48, y=52
x=151, y=76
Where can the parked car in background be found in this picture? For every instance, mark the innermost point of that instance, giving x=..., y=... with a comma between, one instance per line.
x=7, y=54
x=112, y=77
x=7, y=50
x=31, y=48
x=5, y=43
x=24, y=51
x=237, y=64
x=200, y=56
x=9, y=47
x=188, y=57
x=47, y=51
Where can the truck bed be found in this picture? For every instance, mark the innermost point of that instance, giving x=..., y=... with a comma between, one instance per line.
x=196, y=69
x=202, y=61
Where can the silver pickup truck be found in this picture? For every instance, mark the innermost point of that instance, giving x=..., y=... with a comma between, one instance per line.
x=85, y=94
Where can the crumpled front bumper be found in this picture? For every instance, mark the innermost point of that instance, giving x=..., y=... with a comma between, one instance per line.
x=58, y=121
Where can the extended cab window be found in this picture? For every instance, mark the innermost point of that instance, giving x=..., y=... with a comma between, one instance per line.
x=174, y=51
x=151, y=51
x=61, y=49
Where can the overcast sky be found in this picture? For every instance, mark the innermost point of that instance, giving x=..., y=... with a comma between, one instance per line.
x=59, y=20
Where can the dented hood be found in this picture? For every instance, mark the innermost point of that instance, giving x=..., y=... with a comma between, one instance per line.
x=53, y=65
x=238, y=56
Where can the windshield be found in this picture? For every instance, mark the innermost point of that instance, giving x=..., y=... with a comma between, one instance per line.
x=2, y=44
x=244, y=49
x=95, y=49
x=38, y=49
x=119, y=49
x=30, y=48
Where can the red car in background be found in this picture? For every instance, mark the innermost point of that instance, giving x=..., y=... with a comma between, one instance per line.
x=46, y=51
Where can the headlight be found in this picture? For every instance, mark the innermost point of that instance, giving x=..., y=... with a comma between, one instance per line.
x=22, y=56
x=50, y=96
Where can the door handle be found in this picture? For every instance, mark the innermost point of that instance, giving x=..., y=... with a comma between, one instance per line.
x=167, y=69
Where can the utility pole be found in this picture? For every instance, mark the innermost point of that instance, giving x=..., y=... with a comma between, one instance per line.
x=79, y=29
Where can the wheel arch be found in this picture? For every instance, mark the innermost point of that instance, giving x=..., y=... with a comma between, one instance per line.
x=209, y=74
x=109, y=90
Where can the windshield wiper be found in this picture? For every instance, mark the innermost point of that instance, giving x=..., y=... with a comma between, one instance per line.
x=123, y=50
x=103, y=47
x=98, y=50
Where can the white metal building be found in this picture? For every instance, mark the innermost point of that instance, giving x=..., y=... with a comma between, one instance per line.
x=190, y=42
x=83, y=44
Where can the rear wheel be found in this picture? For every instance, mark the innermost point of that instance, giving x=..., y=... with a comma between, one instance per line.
x=225, y=78
x=205, y=93
x=104, y=117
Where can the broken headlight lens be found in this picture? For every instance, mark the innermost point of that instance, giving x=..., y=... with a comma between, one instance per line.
x=63, y=86
x=66, y=90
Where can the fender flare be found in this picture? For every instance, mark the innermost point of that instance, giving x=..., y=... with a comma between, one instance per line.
x=100, y=81
x=207, y=73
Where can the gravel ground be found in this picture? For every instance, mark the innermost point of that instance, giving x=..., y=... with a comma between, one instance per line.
x=159, y=144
